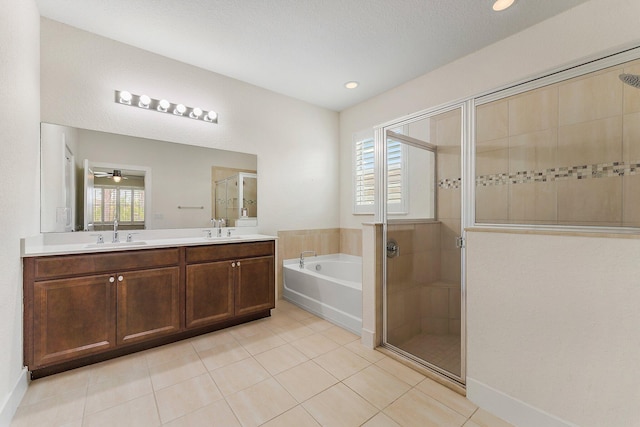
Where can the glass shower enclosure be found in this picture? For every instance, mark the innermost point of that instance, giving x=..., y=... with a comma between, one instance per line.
x=423, y=236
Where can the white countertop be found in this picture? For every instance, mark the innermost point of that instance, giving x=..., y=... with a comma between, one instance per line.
x=76, y=243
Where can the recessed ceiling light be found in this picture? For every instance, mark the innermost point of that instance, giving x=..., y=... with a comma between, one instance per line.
x=502, y=5
x=351, y=85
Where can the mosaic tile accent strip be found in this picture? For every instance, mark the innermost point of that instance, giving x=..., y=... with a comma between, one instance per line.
x=599, y=170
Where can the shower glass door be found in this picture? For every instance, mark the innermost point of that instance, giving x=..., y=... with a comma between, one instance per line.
x=422, y=292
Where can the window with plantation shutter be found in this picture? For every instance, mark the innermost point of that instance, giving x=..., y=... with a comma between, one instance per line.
x=364, y=175
x=125, y=202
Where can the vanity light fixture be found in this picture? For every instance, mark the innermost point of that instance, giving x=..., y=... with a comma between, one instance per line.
x=195, y=113
x=351, y=85
x=211, y=116
x=163, y=106
x=125, y=97
x=500, y=5
x=144, y=101
x=179, y=110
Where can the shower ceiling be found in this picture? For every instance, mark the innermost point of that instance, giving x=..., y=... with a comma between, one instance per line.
x=308, y=49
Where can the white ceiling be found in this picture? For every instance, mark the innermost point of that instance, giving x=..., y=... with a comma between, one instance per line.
x=307, y=49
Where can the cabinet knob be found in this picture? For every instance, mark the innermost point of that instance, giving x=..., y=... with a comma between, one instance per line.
x=238, y=263
x=233, y=264
x=112, y=279
x=120, y=278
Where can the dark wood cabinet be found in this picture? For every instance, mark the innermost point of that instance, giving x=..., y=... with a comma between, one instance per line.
x=148, y=304
x=80, y=309
x=73, y=318
x=227, y=281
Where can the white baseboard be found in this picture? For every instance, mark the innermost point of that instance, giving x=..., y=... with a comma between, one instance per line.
x=368, y=338
x=512, y=410
x=10, y=405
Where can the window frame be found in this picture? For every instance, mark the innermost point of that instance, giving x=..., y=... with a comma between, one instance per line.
x=118, y=189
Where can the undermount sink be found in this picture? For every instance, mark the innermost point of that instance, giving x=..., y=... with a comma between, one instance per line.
x=115, y=245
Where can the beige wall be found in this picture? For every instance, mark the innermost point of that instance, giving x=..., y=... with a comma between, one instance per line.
x=537, y=153
x=20, y=191
x=566, y=373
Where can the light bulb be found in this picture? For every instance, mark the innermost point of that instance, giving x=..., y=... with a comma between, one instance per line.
x=211, y=116
x=125, y=97
x=144, y=101
x=163, y=105
x=179, y=110
x=195, y=113
x=502, y=5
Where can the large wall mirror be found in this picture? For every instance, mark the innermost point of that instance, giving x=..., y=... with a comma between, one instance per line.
x=90, y=178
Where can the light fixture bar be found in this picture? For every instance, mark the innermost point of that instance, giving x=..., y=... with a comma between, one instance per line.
x=163, y=106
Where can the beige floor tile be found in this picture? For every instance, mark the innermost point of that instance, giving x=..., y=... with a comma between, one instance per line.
x=381, y=420
x=371, y=355
x=45, y=388
x=62, y=409
x=377, y=386
x=260, y=403
x=175, y=371
x=339, y=406
x=297, y=313
x=316, y=324
x=292, y=331
x=306, y=380
x=339, y=335
x=471, y=424
x=167, y=353
x=223, y=355
x=116, y=390
x=185, y=397
x=238, y=376
x=133, y=364
x=214, y=339
x=135, y=413
x=315, y=345
x=417, y=409
x=341, y=363
x=486, y=419
x=442, y=394
x=400, y=371
x=261, y=342
x=297, y=417
x=280, y=359
x=217, y=414
x=247, y=329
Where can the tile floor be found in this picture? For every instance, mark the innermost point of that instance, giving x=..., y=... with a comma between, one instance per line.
x=292, y=369
x=440, y=350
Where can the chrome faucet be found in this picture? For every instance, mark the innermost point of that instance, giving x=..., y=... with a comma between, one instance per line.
x=302, y=257
x=116, y=239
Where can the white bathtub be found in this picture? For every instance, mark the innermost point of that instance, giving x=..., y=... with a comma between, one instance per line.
x=329, y=286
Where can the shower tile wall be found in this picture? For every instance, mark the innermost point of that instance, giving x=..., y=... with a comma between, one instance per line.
x=563, y=154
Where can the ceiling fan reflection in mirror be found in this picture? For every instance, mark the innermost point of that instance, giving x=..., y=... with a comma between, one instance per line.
x=116, y=175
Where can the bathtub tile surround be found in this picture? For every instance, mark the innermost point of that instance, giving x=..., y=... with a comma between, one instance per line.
x=371, y=389
x=563, y=154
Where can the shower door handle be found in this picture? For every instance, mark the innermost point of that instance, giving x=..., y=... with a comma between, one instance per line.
x=393, y=250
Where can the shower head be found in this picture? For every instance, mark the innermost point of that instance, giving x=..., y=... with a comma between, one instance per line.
x=631, y=79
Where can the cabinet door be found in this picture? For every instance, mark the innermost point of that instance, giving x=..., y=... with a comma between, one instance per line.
x=73, y=318
x=255, y=290
x=209, y=293
x=148, y=304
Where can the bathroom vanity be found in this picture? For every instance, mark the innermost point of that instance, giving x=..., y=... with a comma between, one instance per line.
x=84, y=303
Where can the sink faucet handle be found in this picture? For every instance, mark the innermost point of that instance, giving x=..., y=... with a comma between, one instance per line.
x=208, y=232
x=100, y=238
x=229, y=230
x=130, y=236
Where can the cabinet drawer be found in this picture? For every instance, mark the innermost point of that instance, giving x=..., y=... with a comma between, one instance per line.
x=72, y=265
x=229, y=251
